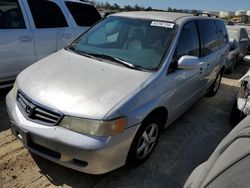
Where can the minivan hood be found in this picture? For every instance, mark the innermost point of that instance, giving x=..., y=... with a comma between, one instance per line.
x=79, y=86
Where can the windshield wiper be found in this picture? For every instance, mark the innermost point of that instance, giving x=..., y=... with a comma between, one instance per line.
x=110, y=58
x=79, y=52
x=114, y=59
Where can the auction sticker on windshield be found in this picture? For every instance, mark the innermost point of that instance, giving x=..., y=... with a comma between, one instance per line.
x=162, y=24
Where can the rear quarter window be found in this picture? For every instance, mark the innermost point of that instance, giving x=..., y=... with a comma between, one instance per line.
x=84, y=14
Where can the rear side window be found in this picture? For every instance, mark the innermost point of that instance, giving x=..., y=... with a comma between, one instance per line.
x=222, y=31
x=84, y=14
x=209, y=36
x=47, y=14
x=11, y=16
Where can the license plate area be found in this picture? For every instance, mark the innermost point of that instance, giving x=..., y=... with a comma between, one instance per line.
x=23, y=135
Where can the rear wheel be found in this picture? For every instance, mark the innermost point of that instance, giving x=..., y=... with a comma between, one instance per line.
x=144, y=142
x=216, y=85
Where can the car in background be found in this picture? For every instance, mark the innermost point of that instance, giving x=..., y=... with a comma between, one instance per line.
x=247, y=27
x=104, y=100
x=229, y=164
x=241, y=106
x=239, y=34
x=232, y=56
x=30, y=30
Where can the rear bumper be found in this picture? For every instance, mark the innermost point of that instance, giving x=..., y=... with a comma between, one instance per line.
x=90, y=154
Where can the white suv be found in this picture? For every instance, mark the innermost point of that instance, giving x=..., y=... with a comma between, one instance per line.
x=31, y=30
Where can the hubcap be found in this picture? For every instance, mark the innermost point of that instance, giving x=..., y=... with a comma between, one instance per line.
x=147, y=141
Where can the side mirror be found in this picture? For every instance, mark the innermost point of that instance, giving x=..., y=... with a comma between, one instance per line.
x=187, y=62
x=243, y=40
x=247, y=58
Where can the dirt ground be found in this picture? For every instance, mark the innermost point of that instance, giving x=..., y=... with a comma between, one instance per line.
x=185, y=144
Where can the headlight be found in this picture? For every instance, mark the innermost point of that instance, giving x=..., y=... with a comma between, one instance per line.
x=94, y=127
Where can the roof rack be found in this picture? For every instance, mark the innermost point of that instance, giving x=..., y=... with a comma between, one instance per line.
x=206, y=14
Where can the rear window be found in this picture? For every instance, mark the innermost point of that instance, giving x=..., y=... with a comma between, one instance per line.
x=84, y=14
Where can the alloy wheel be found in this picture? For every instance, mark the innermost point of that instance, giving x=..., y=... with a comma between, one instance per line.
x=147, y=141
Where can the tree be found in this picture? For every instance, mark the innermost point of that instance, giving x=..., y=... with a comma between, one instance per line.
x=116, y=7
x=137, y=8
x=127, y=8
x=170, y=9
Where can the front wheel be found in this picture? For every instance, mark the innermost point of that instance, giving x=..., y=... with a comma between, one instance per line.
x=216, y=85
x=144, y=142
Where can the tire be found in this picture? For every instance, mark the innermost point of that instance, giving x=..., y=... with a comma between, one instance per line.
x=236, y=115
x=216, y=85
x=144, y=142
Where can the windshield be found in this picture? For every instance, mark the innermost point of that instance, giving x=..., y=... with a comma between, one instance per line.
x=142, y=43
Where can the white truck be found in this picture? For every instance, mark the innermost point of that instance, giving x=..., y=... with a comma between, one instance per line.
x=33, y=29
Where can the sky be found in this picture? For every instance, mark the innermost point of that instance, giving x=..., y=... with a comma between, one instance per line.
x=208, y=5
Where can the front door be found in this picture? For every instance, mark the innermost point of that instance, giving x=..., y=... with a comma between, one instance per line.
x=186, y=84
x=17, y=49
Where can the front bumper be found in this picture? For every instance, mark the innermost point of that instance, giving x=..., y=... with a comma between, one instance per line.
x=90, y=154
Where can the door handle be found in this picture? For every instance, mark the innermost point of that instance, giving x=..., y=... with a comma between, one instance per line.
x=25, y=39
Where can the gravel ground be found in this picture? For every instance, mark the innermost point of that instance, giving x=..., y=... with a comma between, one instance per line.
x=185, y=144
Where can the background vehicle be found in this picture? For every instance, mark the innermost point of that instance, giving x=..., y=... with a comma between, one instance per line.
x=232, y=56
x=241, y=106
x=239, y=34
x=229, y=164
x=31, y=30
x=247, y=27
x=117, y=87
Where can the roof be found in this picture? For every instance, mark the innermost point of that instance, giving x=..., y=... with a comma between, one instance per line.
x=153, y=15
x=79, y=1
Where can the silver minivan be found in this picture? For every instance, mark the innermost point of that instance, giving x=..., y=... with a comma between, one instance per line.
x=104, y=100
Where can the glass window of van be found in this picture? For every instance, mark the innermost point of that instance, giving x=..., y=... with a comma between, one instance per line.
x=209, y=36
x=84, y=14
x=47, y=14
x=188, y=44
x=11, y=15
x=223, y=35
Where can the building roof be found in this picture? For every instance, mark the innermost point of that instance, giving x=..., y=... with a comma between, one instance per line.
x=153, y=15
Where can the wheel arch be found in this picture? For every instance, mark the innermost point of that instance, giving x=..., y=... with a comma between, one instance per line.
x=159, y=113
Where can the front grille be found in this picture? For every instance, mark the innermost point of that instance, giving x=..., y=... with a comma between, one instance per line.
x=36, y=112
